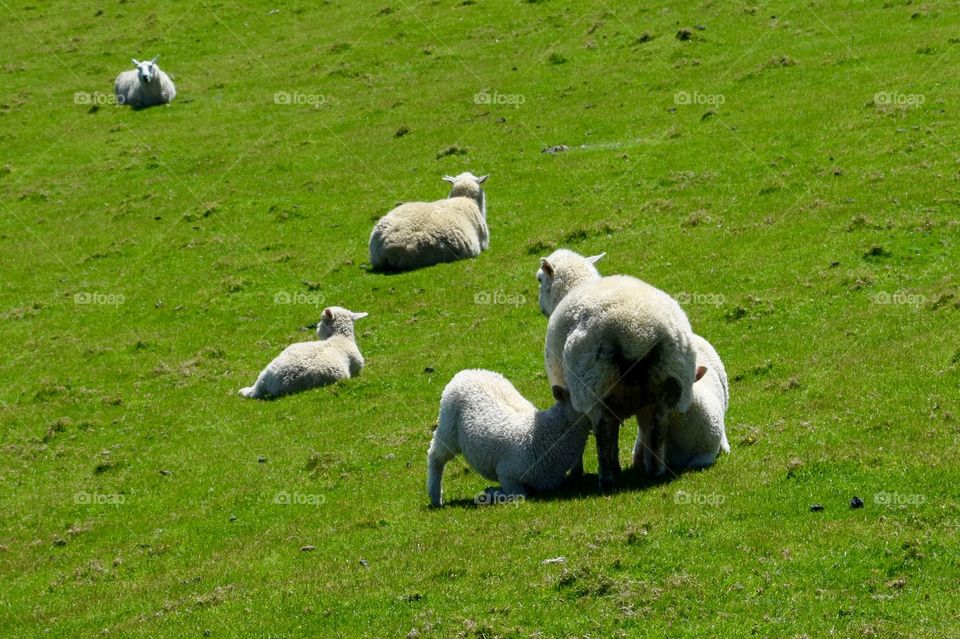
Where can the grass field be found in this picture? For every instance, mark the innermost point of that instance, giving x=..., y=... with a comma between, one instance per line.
x=788, y=170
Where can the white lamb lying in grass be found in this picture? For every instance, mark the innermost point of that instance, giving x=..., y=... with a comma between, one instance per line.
x=331, y=358
x=503, y=436
x=145, y=86
x=698, y=435
x=418, y=234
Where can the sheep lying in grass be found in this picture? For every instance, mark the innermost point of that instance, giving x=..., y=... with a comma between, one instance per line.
x=145, y=86
x=418, y=234
x=503, y=436
x=698, y=435
x=621, y=345
x=331, y=358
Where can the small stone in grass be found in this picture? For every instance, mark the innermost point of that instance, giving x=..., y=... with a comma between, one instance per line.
x=307, y=548
x=261, y=459
x=815, y=508
x=856, y=502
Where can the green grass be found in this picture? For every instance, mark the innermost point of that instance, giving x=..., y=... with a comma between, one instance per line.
x=811, y=178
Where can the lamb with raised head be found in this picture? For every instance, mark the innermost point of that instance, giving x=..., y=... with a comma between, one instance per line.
x=621, y=345
x=503, y=436
x=144, y=86
x=331, y=358
x=562, y=271
x=418, y=234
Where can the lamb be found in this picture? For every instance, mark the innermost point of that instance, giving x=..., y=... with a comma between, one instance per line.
x=331, y=358
x=503, y=436
x=621, y=345
x=418, y=234
x=144, y=87
x=699, y=435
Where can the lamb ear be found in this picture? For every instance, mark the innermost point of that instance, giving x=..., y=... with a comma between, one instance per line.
x=701, y=371
x=546, y=266
x=356, y=316
x=560, y=393
x=482, y=179
x=155, y=58
x=447, y=178
x=593, y=259
x=327, y=314
x=136, y=62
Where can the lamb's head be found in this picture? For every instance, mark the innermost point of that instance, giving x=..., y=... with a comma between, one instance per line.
x=468, y=185
x=336, y=320
x=146, y=71
x=560, y=273
x=565, y=407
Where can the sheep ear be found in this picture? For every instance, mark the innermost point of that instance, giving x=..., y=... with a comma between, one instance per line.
x=560, y=393
x=593, y=259
x=447, y=178
x=482, y=179
x=327, y=314
x=356, y=316
x=155, y=58
x=701, y=371
x=546, y=267
x=136, y=62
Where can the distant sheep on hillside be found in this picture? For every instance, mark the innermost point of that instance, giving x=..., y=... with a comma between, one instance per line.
x=418, y=234
x=144, y=86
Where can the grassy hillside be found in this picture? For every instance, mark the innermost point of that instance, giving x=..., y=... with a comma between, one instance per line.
x=788, y=170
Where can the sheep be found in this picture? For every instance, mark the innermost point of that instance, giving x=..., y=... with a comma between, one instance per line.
x=698, y=436
x=331, y=358
x=145, y=86
x=503, y=436
x=621, y=345
x=561, y=272
x=418, y=234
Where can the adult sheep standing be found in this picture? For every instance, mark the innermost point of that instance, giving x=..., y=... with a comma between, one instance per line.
x=622, y=346
x=144, y=86
x=698, y=435
x=331, y=358
x=418, y=234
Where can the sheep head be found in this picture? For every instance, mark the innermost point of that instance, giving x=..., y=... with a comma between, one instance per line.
x=336, y=320
x=146, y=71
x=560, y=273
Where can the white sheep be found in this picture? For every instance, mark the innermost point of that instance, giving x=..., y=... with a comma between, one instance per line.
x=418, y=234
x=621, y=345
x=331, y=358
x=698, y=436
x=503, y=436
x=144, y=86
x=560, y=273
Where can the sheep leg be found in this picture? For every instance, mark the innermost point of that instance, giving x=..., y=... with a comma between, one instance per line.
x=655, y=448
x=607, y=431
x=643, y=430
x=510, y=490
x=576, y=471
